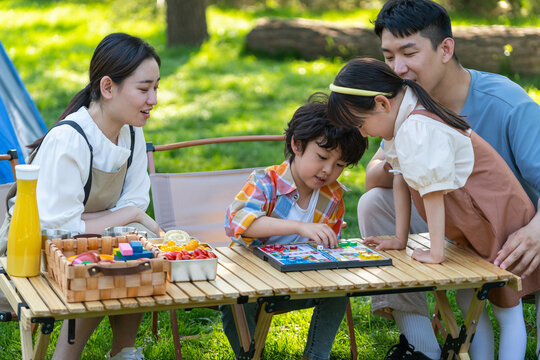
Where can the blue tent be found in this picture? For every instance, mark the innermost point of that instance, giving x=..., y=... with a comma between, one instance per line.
x=20, y=121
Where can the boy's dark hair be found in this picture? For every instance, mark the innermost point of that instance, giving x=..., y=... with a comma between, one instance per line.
x=310, y=123
x=408, y=17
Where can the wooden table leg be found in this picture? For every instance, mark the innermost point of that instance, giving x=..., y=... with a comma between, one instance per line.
x=448, y=317
x=471, y=320
x=26, y=342
x=352, y=336
x=176, y=336
x=264, y=320
x=242, y=328
x=42, y=342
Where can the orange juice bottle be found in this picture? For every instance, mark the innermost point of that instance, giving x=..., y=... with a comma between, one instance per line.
x=24, y=239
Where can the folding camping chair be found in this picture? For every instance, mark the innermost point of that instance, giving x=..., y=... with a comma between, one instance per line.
x=179, y=205
x=14, y=160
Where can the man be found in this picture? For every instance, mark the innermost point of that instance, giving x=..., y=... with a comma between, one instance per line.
x=416, y=40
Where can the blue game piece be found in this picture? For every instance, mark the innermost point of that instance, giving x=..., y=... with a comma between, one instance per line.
x=136, y=245
x=144, y=254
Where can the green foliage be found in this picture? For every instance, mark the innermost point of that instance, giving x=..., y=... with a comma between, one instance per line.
x=214, y=90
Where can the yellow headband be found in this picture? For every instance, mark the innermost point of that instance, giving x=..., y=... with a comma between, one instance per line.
x=353, y=91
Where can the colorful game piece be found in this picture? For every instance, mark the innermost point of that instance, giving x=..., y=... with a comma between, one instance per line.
x=125, y=249
x=143, y=254
x=136, y=245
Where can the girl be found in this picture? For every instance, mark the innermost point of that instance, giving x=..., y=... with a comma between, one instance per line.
x=460, y=185
x=93, y=167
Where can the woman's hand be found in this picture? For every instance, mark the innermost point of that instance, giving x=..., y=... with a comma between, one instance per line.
x=426, y=256
x=145, y=220
x=320, y=233
x=385, y=243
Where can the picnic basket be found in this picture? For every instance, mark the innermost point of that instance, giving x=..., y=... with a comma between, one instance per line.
x=91, y=282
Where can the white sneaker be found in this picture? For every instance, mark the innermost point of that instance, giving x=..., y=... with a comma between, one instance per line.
x=127, y=353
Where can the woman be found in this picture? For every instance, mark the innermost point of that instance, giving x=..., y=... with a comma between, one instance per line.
x=93, y=167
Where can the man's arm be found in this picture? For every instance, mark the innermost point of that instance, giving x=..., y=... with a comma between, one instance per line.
x=522, y=249
x=377, y=174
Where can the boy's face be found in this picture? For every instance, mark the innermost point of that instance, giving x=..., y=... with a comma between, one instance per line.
x=315, y=167
x=413, y=58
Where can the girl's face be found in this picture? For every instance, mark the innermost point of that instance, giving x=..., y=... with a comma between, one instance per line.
x=133, y=99
x=315, y=167
x=380, y=120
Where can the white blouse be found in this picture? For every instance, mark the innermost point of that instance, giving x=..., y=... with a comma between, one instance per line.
x=64, y=160
x=432, y=156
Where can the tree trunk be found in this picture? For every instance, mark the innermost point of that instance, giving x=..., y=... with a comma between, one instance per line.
x=186, y=22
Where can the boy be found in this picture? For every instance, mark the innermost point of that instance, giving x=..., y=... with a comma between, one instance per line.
x=416, y=41
x=297, y=201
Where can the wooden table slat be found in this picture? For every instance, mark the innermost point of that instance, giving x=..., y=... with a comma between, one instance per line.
x=71, y=307
x=47, y=295
x=209, y=290
x=290, y=281
x=192, y=291
x=261, y=269
x=129, y=303
x=235, y=281
x=176, y=294
x=163, y=299
x=309, y=283
x=333, y=275
x=146, y=301
x=476, y=263
x=30, y=296
x=94, y=305
x=357, y=281
x=227, y=290
x=404, y=266
x=373, y=281
x=445, y=267
x=420, y=268
x=259, y=286
x=112, y=304
x=321, y=279
x=382, y=274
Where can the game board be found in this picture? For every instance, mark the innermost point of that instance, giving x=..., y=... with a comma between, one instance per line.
x=309, y=256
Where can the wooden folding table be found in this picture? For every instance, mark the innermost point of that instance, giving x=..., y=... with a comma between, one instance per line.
x=242, y=277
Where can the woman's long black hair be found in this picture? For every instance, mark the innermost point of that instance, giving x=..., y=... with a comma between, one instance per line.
x=118, y=55
x=370, y=74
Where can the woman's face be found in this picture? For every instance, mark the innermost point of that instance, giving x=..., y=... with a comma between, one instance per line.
x=134, y=98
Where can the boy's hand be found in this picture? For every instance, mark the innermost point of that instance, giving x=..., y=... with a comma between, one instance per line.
x=385, y=243
x=320, y=233
x=425, y=256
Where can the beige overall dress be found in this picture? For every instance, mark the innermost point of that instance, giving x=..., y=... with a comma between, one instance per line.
x=482, y=214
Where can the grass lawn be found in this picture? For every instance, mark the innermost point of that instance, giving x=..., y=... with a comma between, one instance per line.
x=214, y=90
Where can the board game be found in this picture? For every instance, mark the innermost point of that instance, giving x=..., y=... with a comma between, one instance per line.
x=309, y=256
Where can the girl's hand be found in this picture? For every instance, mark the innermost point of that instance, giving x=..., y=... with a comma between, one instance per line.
x=385, y=243
x=425, y=256
x=320, y=233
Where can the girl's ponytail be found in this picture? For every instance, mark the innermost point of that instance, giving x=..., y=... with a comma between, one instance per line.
x=367, y=78
x=83, y=98
x=432, y=105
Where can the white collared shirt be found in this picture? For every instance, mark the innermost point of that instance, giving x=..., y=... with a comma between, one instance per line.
x=64, y=160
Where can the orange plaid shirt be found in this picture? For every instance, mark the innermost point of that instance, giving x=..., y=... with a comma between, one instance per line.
x=272, y=192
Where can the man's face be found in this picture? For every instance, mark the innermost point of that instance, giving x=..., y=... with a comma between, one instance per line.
x=413, y=58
